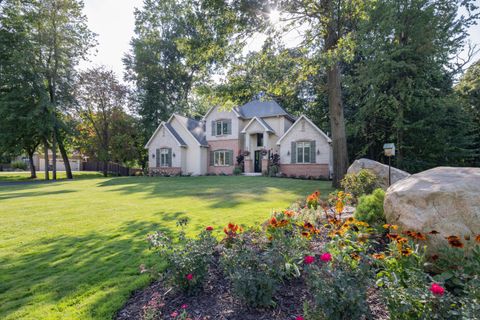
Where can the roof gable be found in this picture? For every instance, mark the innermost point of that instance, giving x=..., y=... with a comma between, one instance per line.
x=308, y=121
x=170, y=129
x=261, y=122
x=194, y=127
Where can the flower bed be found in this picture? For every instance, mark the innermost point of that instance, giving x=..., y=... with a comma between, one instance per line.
x=309, y=262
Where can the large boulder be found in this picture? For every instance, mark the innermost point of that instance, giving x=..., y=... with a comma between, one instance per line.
x=443, y=199
x=380, y=170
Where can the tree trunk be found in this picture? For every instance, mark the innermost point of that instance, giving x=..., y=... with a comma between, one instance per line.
x=105, y=168
x=33, y=171
x=47, y=177
x=54, y=155
x=337, y=123
x=64, y=154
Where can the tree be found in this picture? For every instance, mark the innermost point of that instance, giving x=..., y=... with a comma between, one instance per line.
x=400, y=84
x=99, y=99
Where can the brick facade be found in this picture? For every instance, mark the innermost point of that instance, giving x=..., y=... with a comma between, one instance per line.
x=308, y=170
x=232, y=144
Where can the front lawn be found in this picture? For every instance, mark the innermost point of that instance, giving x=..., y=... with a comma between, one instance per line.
x=16, y=176
x=71, y=249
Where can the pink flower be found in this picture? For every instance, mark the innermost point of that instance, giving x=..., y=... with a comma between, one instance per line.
x=326, y=257
x=189, y=276
x=309, y=259
x=437, y=289
x=209, y=228
x=184, y=306
x=299, y=318
x=174, y=314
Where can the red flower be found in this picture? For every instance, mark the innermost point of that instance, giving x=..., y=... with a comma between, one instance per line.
x=437, y=289
x=184, y=306
x=309, y=259
x=326, y=257
x=299, y=318
x=174, y=314
x=209, y=228
x=189, y=276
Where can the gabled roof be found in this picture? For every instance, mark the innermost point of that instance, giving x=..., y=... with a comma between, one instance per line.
x=172, y=131
x=262, y=123
x=196, y=128
x=235, y=110
x=309, y=121
x=262, y=109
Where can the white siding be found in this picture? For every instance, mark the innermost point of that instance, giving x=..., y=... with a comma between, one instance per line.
x=309, y=133
x=164, y=139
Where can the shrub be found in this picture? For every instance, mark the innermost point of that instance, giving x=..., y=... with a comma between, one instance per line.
x=364, y=182
x=370, y=207
x=249, y=270
x=188, y=259
x=19, y=165
x=339, y=292
x=237, y=171
x=273, y=170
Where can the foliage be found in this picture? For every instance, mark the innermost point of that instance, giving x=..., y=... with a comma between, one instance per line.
x=237, y=171
x=188, y=259
x=19, y=165
x=370, y=207
x=363, y=182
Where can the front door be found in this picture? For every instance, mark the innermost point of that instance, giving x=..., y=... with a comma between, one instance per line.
x=258, y=161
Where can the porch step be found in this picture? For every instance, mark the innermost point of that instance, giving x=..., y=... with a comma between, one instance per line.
x=252, y=174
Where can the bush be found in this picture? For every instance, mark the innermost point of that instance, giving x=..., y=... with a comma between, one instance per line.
x=237, y=171
x=188, y=259
x=19, y=165
x=364, y=182
x=370, y=207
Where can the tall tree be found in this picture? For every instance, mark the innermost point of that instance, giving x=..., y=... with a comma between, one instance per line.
x=401, y=84
x=100, y=98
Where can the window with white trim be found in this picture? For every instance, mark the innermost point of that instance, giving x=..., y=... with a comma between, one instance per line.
x=222, y=158
x=164, y=157
x=303, y=152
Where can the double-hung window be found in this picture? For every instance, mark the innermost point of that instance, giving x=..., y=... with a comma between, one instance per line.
x=222, y=127
x=303, y=152
x=164, y=157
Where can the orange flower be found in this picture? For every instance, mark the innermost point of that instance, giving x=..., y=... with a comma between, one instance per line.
x=378, y=256
x=306, y=234
x=392, y=236
x=273, y=221
x=434, y=232
x=406, y=252
x=339, y=207
x=454, y=241
x=390, y=226
x=355, y=256
x=289, y=213
x=477, y=238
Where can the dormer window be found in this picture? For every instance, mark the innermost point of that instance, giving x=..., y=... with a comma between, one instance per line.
x=221, y=127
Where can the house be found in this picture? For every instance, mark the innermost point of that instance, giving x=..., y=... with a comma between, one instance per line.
x=74, y=159
x=257, y=130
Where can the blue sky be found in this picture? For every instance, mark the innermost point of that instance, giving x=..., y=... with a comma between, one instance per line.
x=114, y=23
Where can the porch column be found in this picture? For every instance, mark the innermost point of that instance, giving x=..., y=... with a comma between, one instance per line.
x=247, y=141
x=265, y=140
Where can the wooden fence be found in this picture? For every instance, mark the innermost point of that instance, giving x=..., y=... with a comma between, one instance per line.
x=113, y=168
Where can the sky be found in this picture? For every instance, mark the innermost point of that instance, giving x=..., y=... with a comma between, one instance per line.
x=113, y=22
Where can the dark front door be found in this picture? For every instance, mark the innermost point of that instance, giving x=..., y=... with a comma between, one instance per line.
x=258, y=161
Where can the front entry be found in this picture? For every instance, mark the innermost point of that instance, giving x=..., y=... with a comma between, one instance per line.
x=258, y=161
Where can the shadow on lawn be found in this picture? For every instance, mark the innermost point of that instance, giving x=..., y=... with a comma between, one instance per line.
x=66, y=270
x=13, y=195
x=223, y=192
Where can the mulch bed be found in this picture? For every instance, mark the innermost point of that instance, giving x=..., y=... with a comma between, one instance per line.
x=216, y=301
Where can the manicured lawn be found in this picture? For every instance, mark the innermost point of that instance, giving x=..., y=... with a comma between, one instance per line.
x=25, y=176
x=71, y=249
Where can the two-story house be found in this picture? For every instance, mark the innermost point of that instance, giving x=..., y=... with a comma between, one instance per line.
x=257, y=130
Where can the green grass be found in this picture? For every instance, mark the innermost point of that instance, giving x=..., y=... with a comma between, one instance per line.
x=25, y=176
x=71, y=249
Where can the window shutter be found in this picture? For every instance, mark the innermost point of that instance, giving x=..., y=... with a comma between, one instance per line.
x=229, y=157
x=157, y=157
x=169, y=159
x=212, y=158
x=293, y=152
x=229, y=126
x=214, y=128
x=313, y=151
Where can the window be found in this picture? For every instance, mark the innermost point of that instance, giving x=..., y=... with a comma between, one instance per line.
x=222, y=158
x=222, y=127
x=164, y=157
x=303, y=152
x=259, y=139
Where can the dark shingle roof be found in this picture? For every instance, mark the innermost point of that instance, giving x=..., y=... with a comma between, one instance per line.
x=261, y=109
x=175, y=134
x=196, y=128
